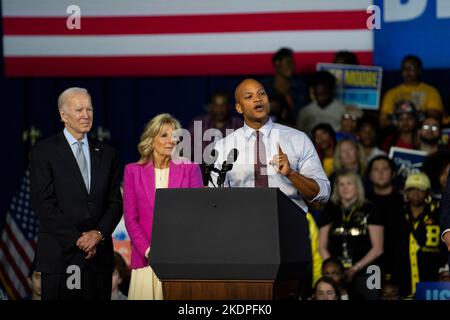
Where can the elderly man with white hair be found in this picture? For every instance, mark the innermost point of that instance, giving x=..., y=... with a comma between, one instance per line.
x=75, y=191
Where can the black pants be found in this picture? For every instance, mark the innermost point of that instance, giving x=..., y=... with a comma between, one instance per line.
x=93, y=286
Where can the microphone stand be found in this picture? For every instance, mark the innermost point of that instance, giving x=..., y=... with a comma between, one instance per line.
x=208, y=169
x=222, y=173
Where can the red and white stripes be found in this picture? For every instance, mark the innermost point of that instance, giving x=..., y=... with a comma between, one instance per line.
x=181, y=37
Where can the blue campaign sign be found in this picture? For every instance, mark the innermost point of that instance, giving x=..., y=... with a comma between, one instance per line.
x=359, y=86
x=407, y=161
x=433, y=291
x=419, y=27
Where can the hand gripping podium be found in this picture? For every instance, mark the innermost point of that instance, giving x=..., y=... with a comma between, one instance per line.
x=229, y=244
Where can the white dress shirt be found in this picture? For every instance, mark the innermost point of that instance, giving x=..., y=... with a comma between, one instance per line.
x=84, y=147
x=295, y=144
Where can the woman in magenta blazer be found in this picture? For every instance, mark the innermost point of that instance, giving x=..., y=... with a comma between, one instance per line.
x=154, y=170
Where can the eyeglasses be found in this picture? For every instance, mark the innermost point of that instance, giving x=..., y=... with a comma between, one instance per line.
x=348, y=116
x=428, y=128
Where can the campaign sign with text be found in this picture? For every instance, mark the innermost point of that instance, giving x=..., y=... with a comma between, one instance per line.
x=407, y=161
x=359, y=86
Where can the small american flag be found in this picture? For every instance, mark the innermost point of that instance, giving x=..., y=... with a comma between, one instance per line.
x=18, y=242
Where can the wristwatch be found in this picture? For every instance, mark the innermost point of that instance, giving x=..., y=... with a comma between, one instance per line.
x=101, y=235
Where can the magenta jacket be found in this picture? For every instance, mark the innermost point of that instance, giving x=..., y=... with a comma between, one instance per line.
x=139, y=200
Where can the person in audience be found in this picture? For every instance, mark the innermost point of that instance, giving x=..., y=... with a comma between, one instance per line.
x=389, y=291
x=437, y=166
x=349, y=123
x=367, y=133
x=325, y=107
x=349, y=156
x=430, y=133
x=280, y=112
x=158, y=167
x=334, y=269
x=218, y=117
x=315, y=271
x=419, y=252
x=404, y=135
x=324, y=139
x=326, y=289
x=285, y=83
x=345, y=57
x=444, y=274
x=424, y=96
x=351, y=230
x=34, y=280
x=120, y=279
x=389, y=202
x=445, y=218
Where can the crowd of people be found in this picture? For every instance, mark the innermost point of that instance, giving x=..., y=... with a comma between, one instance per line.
x=329, y=158
x=374, y=216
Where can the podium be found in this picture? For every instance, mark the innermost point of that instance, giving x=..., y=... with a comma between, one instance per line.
x=229, y=244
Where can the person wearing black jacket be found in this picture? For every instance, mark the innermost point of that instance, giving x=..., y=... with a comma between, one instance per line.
x=75, y=191
x=419, y=252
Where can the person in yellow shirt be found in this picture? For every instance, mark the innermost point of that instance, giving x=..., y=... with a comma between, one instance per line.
x=316, y=257
x=424, y=96
x=324, y=138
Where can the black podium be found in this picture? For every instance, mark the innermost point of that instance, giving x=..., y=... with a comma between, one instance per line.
x=228, y=243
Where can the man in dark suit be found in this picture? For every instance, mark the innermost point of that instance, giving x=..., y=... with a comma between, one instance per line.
x=75, y=190
x=445, y=216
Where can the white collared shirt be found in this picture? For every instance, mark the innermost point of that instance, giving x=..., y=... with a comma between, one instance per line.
x=301, y=153
x=85, y=148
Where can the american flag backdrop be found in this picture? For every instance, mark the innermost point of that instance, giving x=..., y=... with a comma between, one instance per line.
x=18, y=242
x=178, y=37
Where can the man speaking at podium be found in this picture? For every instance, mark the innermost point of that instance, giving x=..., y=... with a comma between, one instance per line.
x=267, y=154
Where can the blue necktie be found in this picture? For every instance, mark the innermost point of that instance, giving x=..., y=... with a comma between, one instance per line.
x=82, y=164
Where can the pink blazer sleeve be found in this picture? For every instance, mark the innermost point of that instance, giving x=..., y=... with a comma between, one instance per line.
x=196, y=178
x=131, y=213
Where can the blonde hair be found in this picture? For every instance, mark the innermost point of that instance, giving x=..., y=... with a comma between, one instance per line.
x=360, y=194
x=151, y=130
x=337, y=161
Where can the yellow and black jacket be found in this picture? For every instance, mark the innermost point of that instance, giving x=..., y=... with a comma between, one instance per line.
x=419, y=249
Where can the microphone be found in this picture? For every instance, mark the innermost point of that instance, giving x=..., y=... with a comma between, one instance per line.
x=231, y=159
x=227, y=165
x=210, y=159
